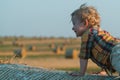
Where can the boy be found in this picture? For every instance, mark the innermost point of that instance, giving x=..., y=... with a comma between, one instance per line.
x=97, y=44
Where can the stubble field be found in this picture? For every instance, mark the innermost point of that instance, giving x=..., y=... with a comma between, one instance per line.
x=44, y=52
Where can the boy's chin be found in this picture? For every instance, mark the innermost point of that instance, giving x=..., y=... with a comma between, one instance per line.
x=78, y=35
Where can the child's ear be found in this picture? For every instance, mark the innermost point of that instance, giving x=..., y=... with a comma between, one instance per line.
x=86, y=23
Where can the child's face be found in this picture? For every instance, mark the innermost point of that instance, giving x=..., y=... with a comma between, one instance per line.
x=78, y=27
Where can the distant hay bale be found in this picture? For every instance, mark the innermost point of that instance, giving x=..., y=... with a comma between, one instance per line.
x=65, y=43
x=21, y=53
x=59, y=49
x=51, y=45
x=14, y=43
x=72, y=53
x=17, y=44
x=20, y=45
x=32, y=48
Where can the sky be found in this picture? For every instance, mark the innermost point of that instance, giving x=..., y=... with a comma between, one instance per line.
x=52, y=18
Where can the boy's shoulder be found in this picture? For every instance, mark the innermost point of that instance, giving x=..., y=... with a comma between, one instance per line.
x=98, y=31
x=103, y=35
x=94, y=30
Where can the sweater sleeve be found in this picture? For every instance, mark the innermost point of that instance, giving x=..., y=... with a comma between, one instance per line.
x=83, y=50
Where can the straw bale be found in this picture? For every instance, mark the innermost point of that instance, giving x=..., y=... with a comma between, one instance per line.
x=32, y=48
x=14, y=43
x=52, y=45
x=21, y=53
x=72, y=53
x=59, y=49
x=24, y=72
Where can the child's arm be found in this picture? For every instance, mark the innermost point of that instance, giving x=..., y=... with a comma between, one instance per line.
x=83, y=67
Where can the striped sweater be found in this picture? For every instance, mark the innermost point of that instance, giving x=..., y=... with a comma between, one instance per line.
x=97, y=45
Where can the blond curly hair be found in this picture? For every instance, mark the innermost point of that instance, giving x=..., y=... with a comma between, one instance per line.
x=87, y=13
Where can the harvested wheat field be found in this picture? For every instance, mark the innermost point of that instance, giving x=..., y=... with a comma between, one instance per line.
x=40, y=61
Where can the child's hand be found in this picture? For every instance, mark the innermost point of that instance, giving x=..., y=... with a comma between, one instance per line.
x=103, y=73
x=76, y=74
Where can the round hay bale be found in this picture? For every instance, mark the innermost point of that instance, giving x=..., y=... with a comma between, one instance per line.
x=14, y=43
x=52, y=46
x=72, y=53
x=25, y=72
x=59, y=50
x=32, y=48
x=21, y=53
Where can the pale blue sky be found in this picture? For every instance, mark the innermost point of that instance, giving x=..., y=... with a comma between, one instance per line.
x=52, y=17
